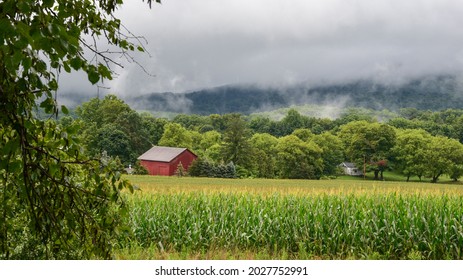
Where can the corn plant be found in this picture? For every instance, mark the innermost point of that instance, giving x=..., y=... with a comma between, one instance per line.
x=389, y=226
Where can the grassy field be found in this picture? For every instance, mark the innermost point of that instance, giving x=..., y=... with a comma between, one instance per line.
x=202, y=218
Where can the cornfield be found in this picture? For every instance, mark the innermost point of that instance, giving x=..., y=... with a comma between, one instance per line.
x=329, y=226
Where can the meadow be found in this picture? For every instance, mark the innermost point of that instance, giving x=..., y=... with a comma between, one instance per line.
x=206, y=218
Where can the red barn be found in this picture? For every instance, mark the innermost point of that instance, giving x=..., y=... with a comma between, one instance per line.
x=164, y=161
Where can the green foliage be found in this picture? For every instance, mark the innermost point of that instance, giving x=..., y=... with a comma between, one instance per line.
x=176, y=136
x=154, y=127
x=442, y=154
x=236, y=147
x=370, y=142
x=297, y=159
x=66, y=205
x=332, y=152
x=456, y=171
x=303, y=133
x=111, y=125
x=180, y=171
x=262, y=124
x=292, y=121
x=410, y=152
x=113, y=141
x=419, y=153
x=206, y=168
x=209, y=139
x=192, y=122
x=445, y=123
x=56, y=203
x=200, y=168
x=139, y=169
x=232, y=137
x=264, y=154
x=386, y=226
x=208, y=145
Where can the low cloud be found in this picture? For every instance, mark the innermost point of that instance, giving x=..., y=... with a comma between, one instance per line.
x=201, y=44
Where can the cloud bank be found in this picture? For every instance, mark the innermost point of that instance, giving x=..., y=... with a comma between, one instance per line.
x=200, y=44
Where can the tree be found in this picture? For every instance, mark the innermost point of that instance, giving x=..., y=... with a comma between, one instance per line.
x=176, y=135
x=236, y=147
x=304, y=134
x=297, y=159
x=371, y=142
x=206, y=168
x=456, y=171
x=208, y=140
x=112, y=116
x=103, y=111
x=180, y=171
x=332, y=151
x=154, y=127
x=261, y=124
x=191, y=122
x=442, y=154
x=113, y=141
x=55, y=201
x=264, y=154
x=292, y=121
x=353, y=115
x=409, y=152
x=218, y=122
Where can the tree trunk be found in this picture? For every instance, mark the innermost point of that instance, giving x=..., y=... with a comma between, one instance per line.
x=436, y=177
x=408, y=178
x=376, y=174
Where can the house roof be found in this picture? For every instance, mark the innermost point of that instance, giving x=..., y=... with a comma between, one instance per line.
x=164, y=154
x=349, y=164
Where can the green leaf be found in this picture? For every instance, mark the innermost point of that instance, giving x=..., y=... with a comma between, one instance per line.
x=93, y=77
x=24, y=6
x=104, y=71
x=17, y=58
x=53, y=85
x=123, y=44
x=64, y=110
x=76, y=63
x=66, y=66
x=27, y=63
x=48, y=3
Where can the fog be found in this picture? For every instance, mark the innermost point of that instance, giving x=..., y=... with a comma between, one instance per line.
x=200, y=44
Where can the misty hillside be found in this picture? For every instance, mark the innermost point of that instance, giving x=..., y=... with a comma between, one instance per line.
x=433, y=93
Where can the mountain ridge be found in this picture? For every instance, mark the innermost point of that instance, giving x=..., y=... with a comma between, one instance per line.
x=428, y=93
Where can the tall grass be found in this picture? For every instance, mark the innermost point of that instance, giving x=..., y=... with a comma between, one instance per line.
x=330, y=226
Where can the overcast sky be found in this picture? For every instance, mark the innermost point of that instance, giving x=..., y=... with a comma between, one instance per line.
x=199, y=44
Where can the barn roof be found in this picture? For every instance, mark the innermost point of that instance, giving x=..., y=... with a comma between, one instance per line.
x=164, y=154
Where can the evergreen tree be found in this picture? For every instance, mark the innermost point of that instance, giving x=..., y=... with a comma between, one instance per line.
x=236, y=146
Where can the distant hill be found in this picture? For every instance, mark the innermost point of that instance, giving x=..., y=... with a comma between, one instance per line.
x=430, y=93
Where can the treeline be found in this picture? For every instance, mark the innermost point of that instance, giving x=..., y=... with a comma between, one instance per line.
x=415, y=143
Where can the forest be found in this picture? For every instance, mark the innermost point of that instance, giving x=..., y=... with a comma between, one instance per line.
x=412, y=142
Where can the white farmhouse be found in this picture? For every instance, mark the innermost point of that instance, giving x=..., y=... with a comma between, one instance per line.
x=350, y=169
